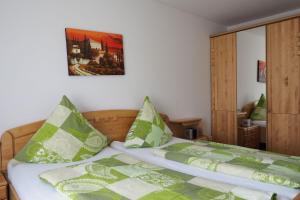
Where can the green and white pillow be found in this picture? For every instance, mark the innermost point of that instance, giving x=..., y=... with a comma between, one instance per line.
x=260, y=111
x=148, y=129
x=65, y=137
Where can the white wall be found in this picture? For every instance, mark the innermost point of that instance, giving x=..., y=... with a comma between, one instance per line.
x=251, y=47
x=166, y=57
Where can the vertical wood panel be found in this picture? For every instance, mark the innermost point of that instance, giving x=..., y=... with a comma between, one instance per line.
x=285, y=130
x=223, y=88
x=213, y=76
x=223, y=127
x=223, y=72
x=283, y=74
x=283, y=65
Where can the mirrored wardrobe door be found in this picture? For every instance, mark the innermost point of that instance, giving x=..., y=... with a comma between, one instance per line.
x=251, y=88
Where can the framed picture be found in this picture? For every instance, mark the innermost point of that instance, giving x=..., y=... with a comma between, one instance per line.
x=261, y=71
x=94, y=53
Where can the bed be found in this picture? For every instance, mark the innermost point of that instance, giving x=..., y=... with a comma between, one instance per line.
x=114, y=123
x=146, y=154
x=21, y=174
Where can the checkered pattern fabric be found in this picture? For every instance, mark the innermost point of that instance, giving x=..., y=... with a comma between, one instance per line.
x=236, y=161
x=121, y=177
x=65, y=137
x=148, y=129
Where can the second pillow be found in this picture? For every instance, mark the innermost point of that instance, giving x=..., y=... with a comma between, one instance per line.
x=148, y=129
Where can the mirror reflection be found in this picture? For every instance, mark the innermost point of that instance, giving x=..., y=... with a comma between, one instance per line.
x=251, y=88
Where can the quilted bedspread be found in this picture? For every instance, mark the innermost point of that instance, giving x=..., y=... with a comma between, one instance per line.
x=122, y=177
x=237, y=161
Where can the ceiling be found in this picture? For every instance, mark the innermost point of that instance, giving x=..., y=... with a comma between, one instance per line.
x=232, y=12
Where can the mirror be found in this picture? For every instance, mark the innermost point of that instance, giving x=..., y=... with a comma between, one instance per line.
x=251, y=88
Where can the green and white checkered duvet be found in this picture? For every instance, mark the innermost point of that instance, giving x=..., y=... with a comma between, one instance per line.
x=121, y=177
x=237, y=161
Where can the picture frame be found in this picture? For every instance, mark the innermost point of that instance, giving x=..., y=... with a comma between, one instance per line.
x=92, y=53
x=261, y=71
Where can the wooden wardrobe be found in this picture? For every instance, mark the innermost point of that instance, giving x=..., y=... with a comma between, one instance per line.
x=283, y=86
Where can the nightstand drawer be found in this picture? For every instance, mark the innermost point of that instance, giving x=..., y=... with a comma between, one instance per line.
x=3, y=192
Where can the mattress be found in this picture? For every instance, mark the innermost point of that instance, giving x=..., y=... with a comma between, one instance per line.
x=260, y=123
x=25, y=177
x=146, y=155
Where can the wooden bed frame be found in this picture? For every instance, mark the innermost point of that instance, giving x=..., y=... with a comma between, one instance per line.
x=113, y=123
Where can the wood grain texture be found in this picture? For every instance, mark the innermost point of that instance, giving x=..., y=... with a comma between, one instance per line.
x=223, y=72
x=12, y=193
x=113, y=123
x=283, y=87
x=283, y=67
x=3, y=187
x=224, y=127
x=285, y=133
x=223, y=88
x=297, y=197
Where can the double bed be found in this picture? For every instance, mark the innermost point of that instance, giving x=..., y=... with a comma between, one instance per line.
x=25, y=184
x=147, y=154
x=114, y=123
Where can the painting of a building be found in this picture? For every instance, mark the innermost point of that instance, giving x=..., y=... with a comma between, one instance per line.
x=94, y=53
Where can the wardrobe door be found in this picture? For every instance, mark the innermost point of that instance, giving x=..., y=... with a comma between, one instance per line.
x=223, y=72
x=224, y=126
x=283, y=72
x=285, y=130
x=223, y=88
x=283, y=63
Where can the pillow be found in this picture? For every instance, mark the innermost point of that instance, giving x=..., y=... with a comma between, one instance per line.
x=65, y=137
x=148, y=129
x=260, y=111
x=262, y=102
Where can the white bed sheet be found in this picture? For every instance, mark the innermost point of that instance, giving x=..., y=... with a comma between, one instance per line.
x=146, y=155
x=25, y=177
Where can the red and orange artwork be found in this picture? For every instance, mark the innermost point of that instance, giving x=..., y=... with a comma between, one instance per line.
x=94, y=53
x=261, y=71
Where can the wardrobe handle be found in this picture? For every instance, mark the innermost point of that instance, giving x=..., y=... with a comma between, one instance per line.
x=298, y=44
x=286, y=81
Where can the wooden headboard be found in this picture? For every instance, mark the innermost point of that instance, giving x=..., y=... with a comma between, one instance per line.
x=113, y=123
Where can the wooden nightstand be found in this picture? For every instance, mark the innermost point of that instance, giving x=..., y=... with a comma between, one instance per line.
x=3, y=187
x=180, y=127
x=249, y=136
